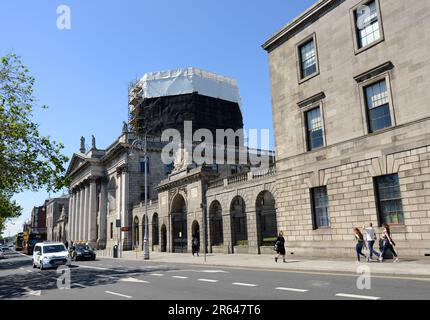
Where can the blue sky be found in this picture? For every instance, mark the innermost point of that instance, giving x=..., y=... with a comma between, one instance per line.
x=82, y=74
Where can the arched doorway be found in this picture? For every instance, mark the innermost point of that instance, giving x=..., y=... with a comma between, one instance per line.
x=155, y=235
x=179, y=225
x=215, y=224
x=136, y=232
x=267, y=227
x=239, y=228
x=163, y=238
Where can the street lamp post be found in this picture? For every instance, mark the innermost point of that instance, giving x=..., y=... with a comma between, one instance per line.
x=137, y=144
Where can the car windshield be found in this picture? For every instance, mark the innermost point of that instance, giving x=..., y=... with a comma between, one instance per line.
x=53, y=248
x=83, y=247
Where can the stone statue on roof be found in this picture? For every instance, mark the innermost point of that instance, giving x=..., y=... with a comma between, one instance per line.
x=94, y=143
x=125, y=127
x=82, y=145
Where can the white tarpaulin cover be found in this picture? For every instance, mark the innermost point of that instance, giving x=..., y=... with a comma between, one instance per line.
x=185, y=81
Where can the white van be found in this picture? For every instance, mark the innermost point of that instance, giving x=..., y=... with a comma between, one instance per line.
x=50, y=255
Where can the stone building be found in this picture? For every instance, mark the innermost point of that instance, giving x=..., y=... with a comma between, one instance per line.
x=349, y=83
x=105, y=184
x=56, y=219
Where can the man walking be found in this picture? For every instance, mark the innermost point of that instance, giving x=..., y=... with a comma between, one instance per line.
x=370, y=239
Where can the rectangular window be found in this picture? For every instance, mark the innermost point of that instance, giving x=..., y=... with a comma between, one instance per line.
x=314, y=129
x=320, y=207
x=378, y=106
x=111, y=230
x=308, y=59
x=367, y=24
x=389, y=200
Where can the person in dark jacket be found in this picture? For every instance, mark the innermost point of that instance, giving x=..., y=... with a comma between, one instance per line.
x=195, y=245
x=280, y=246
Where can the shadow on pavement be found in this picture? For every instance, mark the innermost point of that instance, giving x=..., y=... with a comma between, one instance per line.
x=22, y=285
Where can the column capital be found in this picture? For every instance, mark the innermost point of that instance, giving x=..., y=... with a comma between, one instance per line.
x=93, y=179
x=122, y=169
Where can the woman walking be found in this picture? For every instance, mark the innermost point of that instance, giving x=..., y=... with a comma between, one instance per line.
x=387, y=243
x=358, y=236
x=280, y=246
x=370, y=239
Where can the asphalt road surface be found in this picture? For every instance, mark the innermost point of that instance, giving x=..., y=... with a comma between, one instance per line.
x=115, y=279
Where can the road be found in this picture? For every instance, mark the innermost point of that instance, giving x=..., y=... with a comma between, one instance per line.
x=115, y=279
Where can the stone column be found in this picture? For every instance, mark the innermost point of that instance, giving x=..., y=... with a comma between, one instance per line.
x=251, y=221
x=103, y=215
x=227, y=232
x=92, y=212
x=77, y=212
x=81, y=214
x=124, y=209
x=86, y=212
x=117, y=232
x=69, y=224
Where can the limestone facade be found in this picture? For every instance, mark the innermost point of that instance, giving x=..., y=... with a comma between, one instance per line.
x=56, y=219
x=352, y=157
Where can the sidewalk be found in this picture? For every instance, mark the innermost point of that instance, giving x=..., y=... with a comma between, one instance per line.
x=407, y=267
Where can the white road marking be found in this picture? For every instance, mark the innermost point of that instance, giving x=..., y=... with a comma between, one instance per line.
x=95, y=268
x=291, y=289
x=157, y=274
x=79, y=285
x=108, y=277
x=31, y=292
x=29, y=270
x=215, y=271
x=244, y=284
x=208, y=280
x=118, y=294
x=345, y=295
x=133, y=280
x=179, y=277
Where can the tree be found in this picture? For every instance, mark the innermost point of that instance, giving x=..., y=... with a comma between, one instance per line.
x=28, y=160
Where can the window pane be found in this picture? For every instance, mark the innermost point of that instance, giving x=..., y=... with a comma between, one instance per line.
x=314, y=129
x=320, y=207
x=308, y=59
x=368, y=25
x=389, y=199
x=378, y=108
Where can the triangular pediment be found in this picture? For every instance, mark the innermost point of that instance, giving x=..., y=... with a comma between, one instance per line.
x=76, y=162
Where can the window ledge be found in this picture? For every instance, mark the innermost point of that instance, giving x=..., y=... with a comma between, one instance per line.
x=301, y=81
x=358, y=51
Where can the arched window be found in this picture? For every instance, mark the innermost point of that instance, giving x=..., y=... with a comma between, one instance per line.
x=238, y=222
x=267, y=227
x=215, y=224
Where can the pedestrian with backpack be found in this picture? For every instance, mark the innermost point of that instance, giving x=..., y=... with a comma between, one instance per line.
x=280, y=247
x=388, y=243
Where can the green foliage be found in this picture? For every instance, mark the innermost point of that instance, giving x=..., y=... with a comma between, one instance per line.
x=28, y=160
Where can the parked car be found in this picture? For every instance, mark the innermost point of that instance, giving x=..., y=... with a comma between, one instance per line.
x=50, y=255
x=2, y=254
x=82, y=252
x=5, y=250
